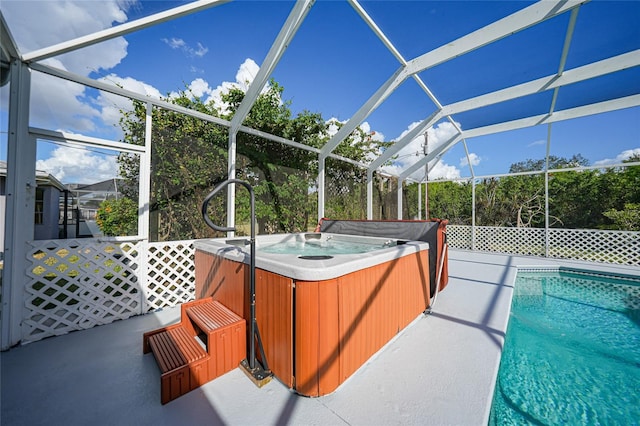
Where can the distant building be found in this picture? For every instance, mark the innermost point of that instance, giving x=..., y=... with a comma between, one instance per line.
x=47, y=205
x=87, y=197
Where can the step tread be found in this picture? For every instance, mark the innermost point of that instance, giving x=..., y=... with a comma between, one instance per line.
x=212, y=315
x=175, y=348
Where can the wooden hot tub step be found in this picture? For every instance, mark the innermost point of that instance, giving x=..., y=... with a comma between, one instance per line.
x=224, y=331
x=209, y=341
x=183, y=362
x=211, y=315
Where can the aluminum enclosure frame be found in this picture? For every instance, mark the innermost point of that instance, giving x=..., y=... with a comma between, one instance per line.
x=22, y=138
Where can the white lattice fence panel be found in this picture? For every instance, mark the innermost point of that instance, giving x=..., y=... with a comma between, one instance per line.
x=622, y=247
x=170, y=274
x=77, y=284
x=459, y=236
x=525, y=241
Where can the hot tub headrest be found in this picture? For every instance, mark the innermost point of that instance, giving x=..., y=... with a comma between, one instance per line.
x=414, y=230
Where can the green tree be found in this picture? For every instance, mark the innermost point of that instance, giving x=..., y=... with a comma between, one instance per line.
x=451, y=201
x=554, y=163
x=190, y=158
x=627, y=219
x=118, y=217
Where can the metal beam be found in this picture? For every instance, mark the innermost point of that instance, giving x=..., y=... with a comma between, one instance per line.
x=568, y=114
x=120, y=30
x=73, y=139
x=7, y=42
x=374, y=102
x=20, y=204
x=231, y=189
x=378, y=32
x=575, y=75
x=144, y=181
x=110, y=88
x=525, y=18
x=279, y=46
x=144, y=202
x=399, y=198
x=383, y=38
x=565, y=52
x=369, y=194
x=466, y=152
x=321, y=187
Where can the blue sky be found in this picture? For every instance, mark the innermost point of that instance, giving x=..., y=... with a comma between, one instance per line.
x=333, y=65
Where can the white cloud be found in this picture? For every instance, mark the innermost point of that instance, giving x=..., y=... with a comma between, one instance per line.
x=624, y=155
x=79, y=165
x=444, y=171
x=413, y=151
x=438, y=171
x=333, y=128
x=60, y=104
x=407, y=156
x=199, y=88
x=371, y=135
x=75, y=111
x=244, y=77
x=247, y=73
x=174, y=43
x=57, y=103
x=538, y=142
x=473, y=158
x=178, y=43
x=39, y=24
x=110, y=105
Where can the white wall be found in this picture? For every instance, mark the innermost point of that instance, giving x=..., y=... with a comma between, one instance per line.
x=49, y=229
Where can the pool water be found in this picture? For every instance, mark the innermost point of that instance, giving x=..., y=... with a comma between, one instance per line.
x=323, y=247
x=572, y=352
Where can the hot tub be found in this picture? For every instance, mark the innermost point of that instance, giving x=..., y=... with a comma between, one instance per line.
x=321, y=313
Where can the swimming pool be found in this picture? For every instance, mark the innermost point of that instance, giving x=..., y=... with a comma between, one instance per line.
x=572, y=351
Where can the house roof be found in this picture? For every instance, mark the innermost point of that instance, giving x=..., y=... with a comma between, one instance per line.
x=42, y=178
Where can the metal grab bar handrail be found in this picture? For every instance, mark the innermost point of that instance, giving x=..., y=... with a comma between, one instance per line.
x=207, y=199
x=254, y=332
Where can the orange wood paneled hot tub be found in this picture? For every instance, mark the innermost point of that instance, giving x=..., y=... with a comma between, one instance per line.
x=318, y=332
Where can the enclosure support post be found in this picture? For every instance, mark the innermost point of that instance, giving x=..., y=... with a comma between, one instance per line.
x=321, y=186
x=369, y=194
x=546, y=193
x=20, y=203
x=231, y=189
x=473, y=214
x=420, y=201
x=400, y=198
x=144, y=188
x=144, y=203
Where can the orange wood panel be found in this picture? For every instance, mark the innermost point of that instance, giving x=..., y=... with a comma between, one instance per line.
x=307, y=337
x=328, y=337
x=317, y=337
x=274, y=315
x=375, y=304
x=338, y=324
x=224, y=280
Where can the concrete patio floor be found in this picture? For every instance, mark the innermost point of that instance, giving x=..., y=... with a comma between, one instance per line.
x=439, y=370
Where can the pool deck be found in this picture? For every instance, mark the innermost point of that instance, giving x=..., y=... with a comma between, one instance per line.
x=440, y=370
